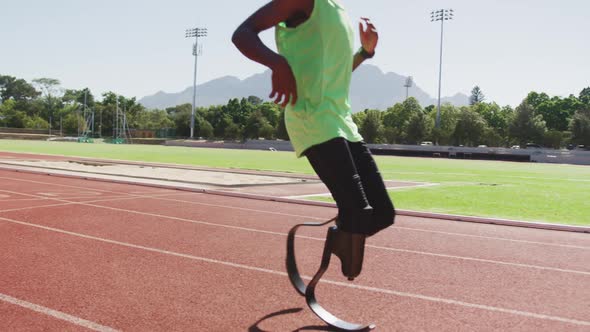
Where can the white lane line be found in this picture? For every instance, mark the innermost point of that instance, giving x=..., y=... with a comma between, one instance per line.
x=56, y=314
x=239, y=208
x=22, y=199
x=77, y=187
x=66, y=202
x=316, y=218
x=388, y=189
x=65, y=199
x=336, y=283
x=464, y=258
x=481, y=260
x=254, y=230
x=499, y=175
x=464, y=304
x=394, y=228
x=34, y=207
x=491, y=238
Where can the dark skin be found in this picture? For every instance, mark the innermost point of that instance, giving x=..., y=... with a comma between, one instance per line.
x=293, y=13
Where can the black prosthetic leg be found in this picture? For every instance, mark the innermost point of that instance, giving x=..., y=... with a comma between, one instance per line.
x=349, y=247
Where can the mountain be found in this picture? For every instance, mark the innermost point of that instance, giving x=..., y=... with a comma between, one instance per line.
x=370, y=88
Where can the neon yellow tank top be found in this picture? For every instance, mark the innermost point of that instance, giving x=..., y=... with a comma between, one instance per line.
x=320, y=52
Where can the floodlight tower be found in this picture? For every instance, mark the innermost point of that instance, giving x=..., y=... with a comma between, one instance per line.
x=197, y=51
x=409, y=83
x=441, y=15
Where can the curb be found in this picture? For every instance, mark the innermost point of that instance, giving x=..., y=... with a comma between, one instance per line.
x=408, y=213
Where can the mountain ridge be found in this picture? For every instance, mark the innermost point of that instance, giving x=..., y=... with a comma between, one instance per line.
x=370, y=88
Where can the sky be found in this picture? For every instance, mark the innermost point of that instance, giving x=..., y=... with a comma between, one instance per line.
x=137, y=48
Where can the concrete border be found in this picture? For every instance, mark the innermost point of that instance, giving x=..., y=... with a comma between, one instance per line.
x=409, y=213
x=173, y=165
x=8, y=163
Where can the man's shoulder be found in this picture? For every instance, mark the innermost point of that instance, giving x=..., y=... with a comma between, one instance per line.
x=302, y=5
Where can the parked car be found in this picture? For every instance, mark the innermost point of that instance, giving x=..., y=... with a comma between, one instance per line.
x=515, y=147
x=533, y=146
x=426, y=143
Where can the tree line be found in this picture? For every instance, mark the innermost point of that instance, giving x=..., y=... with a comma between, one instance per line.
x=43, y=104
x=541, y=119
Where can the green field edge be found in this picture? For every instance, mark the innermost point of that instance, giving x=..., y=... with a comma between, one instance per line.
x=405, y=199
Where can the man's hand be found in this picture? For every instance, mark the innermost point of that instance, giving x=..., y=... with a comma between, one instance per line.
x=369, y=36
x=284, y=86
x=248, y=42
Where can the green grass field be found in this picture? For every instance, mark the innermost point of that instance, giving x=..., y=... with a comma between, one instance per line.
x=524, y=191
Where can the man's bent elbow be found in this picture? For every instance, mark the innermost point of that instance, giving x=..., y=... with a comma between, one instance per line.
x=235, y=38
x=240, y=36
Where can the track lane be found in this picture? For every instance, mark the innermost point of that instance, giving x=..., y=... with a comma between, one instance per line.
x=136, y=298
x=254, y=220
x=413, y=273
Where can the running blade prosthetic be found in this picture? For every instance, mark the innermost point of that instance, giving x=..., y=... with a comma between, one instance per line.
x=349, y=248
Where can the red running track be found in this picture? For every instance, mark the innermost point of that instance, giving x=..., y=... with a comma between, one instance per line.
x=85, y=255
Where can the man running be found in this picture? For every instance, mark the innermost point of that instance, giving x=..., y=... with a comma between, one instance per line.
x=311, y=77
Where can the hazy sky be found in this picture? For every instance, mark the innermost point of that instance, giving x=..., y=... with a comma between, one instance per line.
x=136, y=48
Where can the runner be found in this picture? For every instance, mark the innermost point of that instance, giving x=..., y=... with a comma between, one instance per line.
x=311, y=78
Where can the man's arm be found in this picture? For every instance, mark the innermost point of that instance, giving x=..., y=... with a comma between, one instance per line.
x=358, y=60
x=246, y=39
x=369, y=40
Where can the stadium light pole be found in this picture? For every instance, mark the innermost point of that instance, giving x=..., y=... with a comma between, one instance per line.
x=408, y=84
x=197, y=50
x=441, y=15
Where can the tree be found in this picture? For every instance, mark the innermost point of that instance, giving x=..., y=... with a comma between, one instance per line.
x=477, y=96
x=580, y=127
x=35, y=123
x=152, y=120
x=205, y=129
x=181, y=116
x=585, y=96
x=221, y=126
x=397, y=118
x=449, y=115
x=73, y=123
x=106, y=112
x=11, y=117
x=535, y=99
x=391, y=135
x=491, y=137
x=281, y=127
x=270, y=111
x=470, y=128
x=525, y=126
x=255, y=123
x=218, y=117
x=372, y=128
x=497, y=118
x=51, y=91
x=557, y=112
x=393, y=124
x=79, y=96
x=233, y=132
x=254, y=100
x=17, y=89
x=553, y=139
x=48, y=86
x=267, y=131
x=419, y=127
